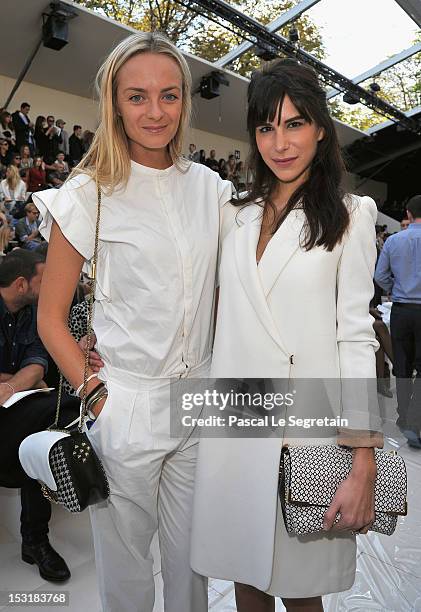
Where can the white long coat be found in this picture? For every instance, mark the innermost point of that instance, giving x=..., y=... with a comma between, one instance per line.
x=305, y=307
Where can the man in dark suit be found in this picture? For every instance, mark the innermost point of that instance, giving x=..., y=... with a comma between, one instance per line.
x=23, y=365
x=76, y=149
x=23, y=127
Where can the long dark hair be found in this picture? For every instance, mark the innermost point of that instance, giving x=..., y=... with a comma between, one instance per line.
x=320, y=196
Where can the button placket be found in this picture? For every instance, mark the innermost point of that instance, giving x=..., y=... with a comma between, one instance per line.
x=187, y=264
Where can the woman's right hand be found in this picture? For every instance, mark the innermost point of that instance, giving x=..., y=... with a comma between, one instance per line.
x=95, y=361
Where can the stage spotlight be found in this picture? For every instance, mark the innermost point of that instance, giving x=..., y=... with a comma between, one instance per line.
x=293, y=35
x=375, y=87
x=209, y=88
x=210, y=84
x=266, y=53
x=350, y=98
x=55, y=29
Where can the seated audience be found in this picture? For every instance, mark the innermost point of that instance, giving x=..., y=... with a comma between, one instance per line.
x=6, y=236
x=60, y=161
x=26, y=229
x=23, y=365
x=57, y=175
x=212, y=162
x=26, y=161
x=6, y=129
x=202, y=156
x=232, y=171
x=13, y=190
x=5, y=157
x=222, y=168
x=37, y=176
x=241, y=176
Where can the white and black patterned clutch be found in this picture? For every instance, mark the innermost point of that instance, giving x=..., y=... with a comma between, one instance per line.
x=67, y=467
x=310, y=476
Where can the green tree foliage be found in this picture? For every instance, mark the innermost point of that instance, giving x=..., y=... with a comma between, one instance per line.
x=200, y=35
x=214, y=40
x=400, y=86
x=357, y=116
x=148, y=15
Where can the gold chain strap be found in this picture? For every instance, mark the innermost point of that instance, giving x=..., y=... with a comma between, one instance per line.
x=83, y=411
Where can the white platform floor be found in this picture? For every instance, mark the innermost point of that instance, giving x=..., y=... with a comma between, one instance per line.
x=388, y=568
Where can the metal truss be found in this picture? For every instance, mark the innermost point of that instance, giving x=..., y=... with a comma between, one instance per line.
x=274, y=26
x=258, y=34
x=375, y=70
x=412, y=8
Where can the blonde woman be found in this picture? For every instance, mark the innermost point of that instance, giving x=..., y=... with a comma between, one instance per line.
x=13, y=188
x=153, y=312
x=6, y=235
x=26, y=158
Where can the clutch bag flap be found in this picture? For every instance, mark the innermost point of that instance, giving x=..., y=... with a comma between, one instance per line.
x=34, y=455
x=312, y=475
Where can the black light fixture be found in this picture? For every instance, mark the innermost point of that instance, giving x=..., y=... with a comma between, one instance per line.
x=55, y=29
x=350, y=98
x=265, y=52
x=293, y=35
x=375, y=87
x=210, y=84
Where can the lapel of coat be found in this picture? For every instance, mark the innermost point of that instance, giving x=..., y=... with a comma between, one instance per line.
x=246, y=238
x=279, y=250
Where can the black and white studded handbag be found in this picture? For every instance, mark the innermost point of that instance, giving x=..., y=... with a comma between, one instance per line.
x=64, y=460
x=310, y=476
x=79, y=475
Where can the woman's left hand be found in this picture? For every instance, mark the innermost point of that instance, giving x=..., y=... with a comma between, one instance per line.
x=354, y=498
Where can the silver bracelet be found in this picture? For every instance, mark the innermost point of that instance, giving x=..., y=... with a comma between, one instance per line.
x=79, y=389
x=99, y=395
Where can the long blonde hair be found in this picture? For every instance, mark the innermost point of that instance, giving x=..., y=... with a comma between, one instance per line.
x=13, y=180
x=107, y=159
x=4, y=237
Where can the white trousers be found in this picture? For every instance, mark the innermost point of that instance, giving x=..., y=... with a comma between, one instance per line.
x=151, y=478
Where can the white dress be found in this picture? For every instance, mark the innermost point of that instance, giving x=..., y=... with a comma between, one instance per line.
x=153, y=321
x=297, y=315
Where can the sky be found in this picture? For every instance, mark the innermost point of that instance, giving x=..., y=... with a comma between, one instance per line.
x=359, y=34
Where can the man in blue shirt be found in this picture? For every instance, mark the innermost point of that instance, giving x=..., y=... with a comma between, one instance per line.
x=399, y=272
x=23, y=365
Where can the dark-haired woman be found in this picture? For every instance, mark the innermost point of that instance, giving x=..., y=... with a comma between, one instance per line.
x=296, y=270
x=40, y=133
x=6, y=129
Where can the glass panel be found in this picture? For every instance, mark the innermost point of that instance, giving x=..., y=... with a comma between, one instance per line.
x=358, y=34
x=400, y=84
